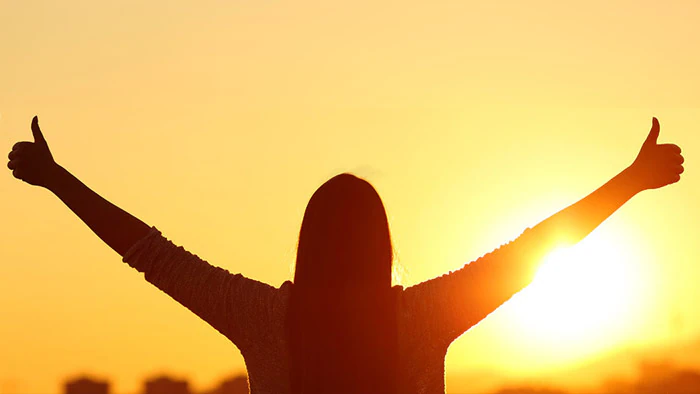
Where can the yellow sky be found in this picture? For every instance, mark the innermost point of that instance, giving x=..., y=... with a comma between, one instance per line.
x=216, y=121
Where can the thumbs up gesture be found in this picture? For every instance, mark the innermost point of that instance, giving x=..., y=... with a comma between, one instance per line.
x=32, y=161
x=657, y=165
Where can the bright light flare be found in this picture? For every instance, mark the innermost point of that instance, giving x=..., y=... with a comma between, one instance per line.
x=584, y=299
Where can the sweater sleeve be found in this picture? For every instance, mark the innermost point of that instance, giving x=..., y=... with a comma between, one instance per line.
x=234, y=305
x=447, y=306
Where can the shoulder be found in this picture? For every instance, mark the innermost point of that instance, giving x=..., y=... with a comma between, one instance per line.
x=279, y=302
x=283, y=293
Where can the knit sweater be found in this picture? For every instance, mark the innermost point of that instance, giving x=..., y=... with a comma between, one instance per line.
x=251, y=314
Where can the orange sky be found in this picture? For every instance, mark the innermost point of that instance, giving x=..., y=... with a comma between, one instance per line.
x=216, y=121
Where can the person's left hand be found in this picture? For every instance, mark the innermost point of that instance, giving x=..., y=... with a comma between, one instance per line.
x=657, y=165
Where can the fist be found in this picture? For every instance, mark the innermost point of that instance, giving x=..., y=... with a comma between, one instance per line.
x=657, y=165
x=32, y=161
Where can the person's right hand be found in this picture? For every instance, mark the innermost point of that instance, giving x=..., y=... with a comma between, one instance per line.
x=32, y=161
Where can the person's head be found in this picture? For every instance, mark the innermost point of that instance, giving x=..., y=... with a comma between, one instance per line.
x=344, y=238
x=342, y=316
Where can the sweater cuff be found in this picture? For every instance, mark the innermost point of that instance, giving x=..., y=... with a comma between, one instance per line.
x=136, y=247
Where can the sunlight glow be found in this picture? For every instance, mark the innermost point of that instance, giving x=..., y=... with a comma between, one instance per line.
x=583, y=300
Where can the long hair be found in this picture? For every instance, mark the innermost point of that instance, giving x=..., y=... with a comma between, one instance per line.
x=342, y=330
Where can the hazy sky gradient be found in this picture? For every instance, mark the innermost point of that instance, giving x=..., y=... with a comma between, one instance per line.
x=215, y=121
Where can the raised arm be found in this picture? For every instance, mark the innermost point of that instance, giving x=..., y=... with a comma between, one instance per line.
x=462, y=298
x=656, y=165
x=236, y=306
x=33, y=163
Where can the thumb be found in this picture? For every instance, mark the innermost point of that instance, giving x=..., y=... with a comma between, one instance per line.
x=653, y=133
x=36, y=131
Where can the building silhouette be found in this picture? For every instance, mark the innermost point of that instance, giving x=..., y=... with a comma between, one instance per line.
x=234, y=385
x=529, y=390
x=85, y=385
x=166, y=385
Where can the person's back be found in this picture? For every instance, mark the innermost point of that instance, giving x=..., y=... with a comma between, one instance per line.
x=255, y=317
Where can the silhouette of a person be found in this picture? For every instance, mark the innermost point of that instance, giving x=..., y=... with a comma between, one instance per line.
x=340, y=326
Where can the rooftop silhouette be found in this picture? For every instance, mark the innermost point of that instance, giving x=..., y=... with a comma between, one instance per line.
x=166, y=385
x=86, y=385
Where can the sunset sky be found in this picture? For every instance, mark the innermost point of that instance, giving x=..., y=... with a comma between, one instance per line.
x=216, y=120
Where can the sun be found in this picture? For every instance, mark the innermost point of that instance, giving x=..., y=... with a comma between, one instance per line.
x=584, y=299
